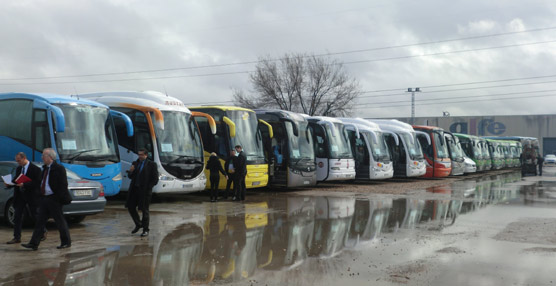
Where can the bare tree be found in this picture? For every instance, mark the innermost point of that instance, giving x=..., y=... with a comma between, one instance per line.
x=301, y=83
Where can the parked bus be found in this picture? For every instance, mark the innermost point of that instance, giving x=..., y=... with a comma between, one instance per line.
x=456, y=154
x=289, y=148
x=234, y=126
x=436, y=154
x=473, y=148
x=332, y=149
x=407, y=156
x=496, y=155
x=81, y=131
x=369, y=148
x=165, y=127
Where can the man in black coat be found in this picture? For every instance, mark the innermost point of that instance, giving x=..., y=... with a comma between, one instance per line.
x=241, y=173
x=25, y=194
x=144, y=176
x=54, y=194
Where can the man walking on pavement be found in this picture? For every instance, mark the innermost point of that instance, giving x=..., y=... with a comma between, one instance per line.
x=144, y=176
x=54, y=194
x=241, y=172
x=25, y=194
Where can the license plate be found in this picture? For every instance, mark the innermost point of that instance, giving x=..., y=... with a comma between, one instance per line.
x=306, y=182
x=83, y=193
x=256, y=183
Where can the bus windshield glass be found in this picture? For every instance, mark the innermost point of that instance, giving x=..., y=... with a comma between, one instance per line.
x=247, y=134
x=89, y=135
x=455, y=149
x=179, y=141
x=301, y=147
x=339, y=141
x=413, y=147
x=440, y=143
x=379, y=149
x=477, y=149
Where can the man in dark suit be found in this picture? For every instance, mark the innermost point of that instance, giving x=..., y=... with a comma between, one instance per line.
x=54, y=194
x=241, y=172
x=144, y=176
x=25, y=194
x=229, y=167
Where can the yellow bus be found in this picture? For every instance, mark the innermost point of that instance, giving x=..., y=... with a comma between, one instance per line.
x=235, y=126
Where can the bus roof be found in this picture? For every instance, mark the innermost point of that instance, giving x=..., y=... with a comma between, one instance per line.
x=461, y=135
x=221, y=107
x=52, y=98
x=426, y=127
x=362, y=124
x=323, y=118
x=392, y=125
x=153, y=99
x=282, y=114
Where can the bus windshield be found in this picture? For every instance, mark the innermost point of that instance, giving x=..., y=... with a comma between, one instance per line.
x=89, y=135
x=440, y=144
x=301, y=147
x=477, y=149
x=413, y=147
x=247, y=134
x=179, y=141
x=379, y=149
x=339, y=141
x=455, y=149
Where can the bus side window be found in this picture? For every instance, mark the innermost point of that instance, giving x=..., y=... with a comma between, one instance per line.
x=20, y=111
x=42, y=138
x=121, y=132
x=320, y=142
x=427, y=147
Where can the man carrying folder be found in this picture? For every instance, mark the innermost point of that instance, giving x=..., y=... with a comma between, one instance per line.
x=26, y=192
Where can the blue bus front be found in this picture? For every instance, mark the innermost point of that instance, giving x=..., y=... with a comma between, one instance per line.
x=81, y=131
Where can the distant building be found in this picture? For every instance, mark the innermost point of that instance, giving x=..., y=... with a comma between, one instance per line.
x=542, y=127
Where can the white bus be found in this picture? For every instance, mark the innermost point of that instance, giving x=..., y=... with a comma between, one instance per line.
x=369, y=148
x=332, y=149
x=165, y=127
x=408, y=156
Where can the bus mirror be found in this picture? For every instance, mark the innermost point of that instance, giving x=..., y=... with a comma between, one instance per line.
x=126, y=119
x=330, y=125
x=426, y=136
x=210, y=119
x=270, y=131
x=394, y=135
x=357, y=135
x=375, y=137
x=231, y=126
x=58, y=114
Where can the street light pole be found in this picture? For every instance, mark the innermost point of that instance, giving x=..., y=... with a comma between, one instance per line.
x=413, y=91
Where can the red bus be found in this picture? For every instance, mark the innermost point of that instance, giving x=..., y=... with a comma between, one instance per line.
x=436, y=153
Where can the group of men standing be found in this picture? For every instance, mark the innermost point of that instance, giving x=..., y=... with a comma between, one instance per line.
x=44, y=193
x=235, y=170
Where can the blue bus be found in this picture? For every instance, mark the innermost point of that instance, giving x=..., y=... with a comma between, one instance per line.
x=81, y=131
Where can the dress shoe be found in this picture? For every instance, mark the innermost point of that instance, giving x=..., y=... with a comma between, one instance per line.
x=64, y=246
x=15, y=240
x=145, y=233
x=29, y=245
x=136, y=229
x=43, y=238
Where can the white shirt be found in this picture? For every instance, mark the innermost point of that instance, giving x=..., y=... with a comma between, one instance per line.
x=47, y=190
x=25, y=168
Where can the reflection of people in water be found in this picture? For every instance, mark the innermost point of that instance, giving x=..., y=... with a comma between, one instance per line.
x=234, y=242
x=214, y=257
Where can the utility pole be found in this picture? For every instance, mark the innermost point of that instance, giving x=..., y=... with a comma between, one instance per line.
x=413, y=91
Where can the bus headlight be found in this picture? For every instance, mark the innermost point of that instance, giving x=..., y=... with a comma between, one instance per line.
x=165, y=178
x=295, y=171
x=118, y=177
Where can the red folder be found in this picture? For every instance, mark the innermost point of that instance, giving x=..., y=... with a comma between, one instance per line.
x=21, y=179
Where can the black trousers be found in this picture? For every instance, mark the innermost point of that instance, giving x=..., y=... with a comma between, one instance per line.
x=132, y=209
x=240, y=188
x=50, y=207
x=231, y=178
x=214, y=180
x=20, y=205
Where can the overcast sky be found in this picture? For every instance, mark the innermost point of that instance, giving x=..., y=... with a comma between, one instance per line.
x=198, y=51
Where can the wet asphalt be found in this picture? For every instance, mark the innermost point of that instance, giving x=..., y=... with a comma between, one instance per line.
x=489, y=230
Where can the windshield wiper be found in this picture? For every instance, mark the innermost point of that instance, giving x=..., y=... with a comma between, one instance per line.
x=76, y=155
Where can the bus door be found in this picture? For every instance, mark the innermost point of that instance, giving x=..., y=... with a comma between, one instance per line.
x=321, y=150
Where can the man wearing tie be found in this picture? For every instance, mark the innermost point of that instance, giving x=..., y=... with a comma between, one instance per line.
x=54, y=194
x=25, y=194
x=144, y=176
